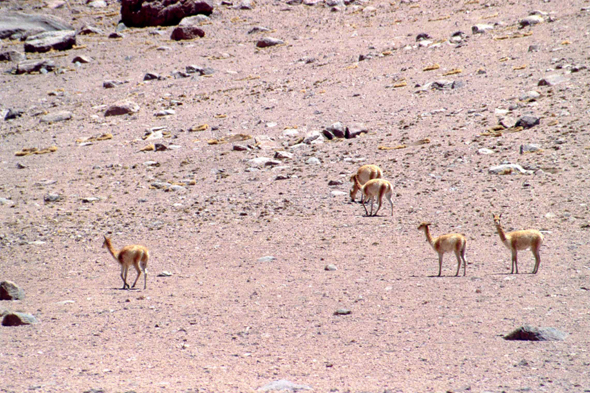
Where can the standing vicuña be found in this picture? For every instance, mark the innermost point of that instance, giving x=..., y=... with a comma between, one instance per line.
x=446, y=243
x=130, y=255
x=375, y=188
x=363, y=175
x=520, y=240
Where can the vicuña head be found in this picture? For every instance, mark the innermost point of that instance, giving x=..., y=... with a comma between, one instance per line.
x=130, y=255
x=363, y=175
x=520, y=240
x=375, y=188
x=454, y=242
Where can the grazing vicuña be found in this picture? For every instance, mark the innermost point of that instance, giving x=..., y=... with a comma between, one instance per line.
x=454, y=242
x=363, y=175
x=520, y=240
x=130, y=255
x=375, y=188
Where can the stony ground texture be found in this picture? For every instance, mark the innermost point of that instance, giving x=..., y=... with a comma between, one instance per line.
x=226, y=320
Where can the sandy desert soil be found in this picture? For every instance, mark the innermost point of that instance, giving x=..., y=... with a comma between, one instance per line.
x=226, y=320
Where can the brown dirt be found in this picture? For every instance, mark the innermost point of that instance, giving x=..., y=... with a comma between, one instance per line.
x=225, y=322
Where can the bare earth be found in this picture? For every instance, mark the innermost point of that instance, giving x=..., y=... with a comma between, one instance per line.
x=225, y=321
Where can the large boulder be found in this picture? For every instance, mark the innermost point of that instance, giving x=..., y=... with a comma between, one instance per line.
x=56, y=40
x=141, y=13
x=18, y=25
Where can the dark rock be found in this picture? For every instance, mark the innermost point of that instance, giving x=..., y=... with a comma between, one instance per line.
x=18, y=319
x=328, y=134
x=142, y=13
x=337, y=129
x=56, y=40
x=422, y=36
x=335, y=183
x=160, y=147
x=192, y=69
x=527, y=121
x=116, y=35
x=13, y=114
x=82, y=59
x=268, y=41
x=342, y=311
x=17, y=25
x=530, y=333
x=11, y=291
x=52, y=198
x=150, y=76
x=29, y=66
x=258, y=29
x=187, y=33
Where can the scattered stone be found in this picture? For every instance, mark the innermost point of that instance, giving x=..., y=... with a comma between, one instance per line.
x=89, y=199
x=56, y=40
x=485, y=151
x=313, y=161
x=160, y=185
x=238, y=147
x=530, y=148
x=97, y=4
x=142, y=13
x=335, y=183
x=530, y=333
x=337, y=130
x=269, y=258
x=259, y=161
x=176, y=187
x=268, y=41
x=109, y=84
x=354, y=131
x=165, y=112
x=13, y=114
x=527, y=121
x=116, y=35
x=258, y=29
x=82, y=59
x=330, y=268
x=187, y=33
x=5, y=201
x=530, y=96
x=313, y=137
x=52, y=198
x=123, y=108
x=12, y=55
x=552, y=80
x=282, y=385
x=283, y=155
x=30, y=66
x=18, y=25
x=531, y=20
x=342, y=311
x=336, y=193
x=507, y=122
x=506, y=169
x=165, y=274
x=150, y=76
x=88, y=30
x=56, y=117
x=18, y=319
x=534, y=48
x=10, y=291
x=194, y=20
x=481, y=28
x=193, y=69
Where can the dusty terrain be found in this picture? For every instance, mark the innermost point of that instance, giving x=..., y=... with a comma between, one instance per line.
x=226, y=321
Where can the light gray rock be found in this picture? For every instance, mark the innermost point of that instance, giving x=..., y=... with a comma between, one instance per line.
x=12, y=55
x=530, y=333
x=529, y=148
x=530, y=96
x=194, y=20
x=56, y=40
x=269, y=258
x=507, y=121
x=122, y=108
x=481, y=28
x=330, y=268
x=30, y=66
x=531, y=20
x=18, y=319
x=552, y=80
x=6, y=202
x=283, y=385
x=313, y=161
x=259, y=161
x=505, y=169
x=283, y=155
x=18, y=25
x=268, y=41
x=56, y=117
x=485, y=151
x=11, y=291
x=193, y=69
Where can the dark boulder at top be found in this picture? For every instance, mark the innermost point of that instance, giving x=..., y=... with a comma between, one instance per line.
x=141, y=13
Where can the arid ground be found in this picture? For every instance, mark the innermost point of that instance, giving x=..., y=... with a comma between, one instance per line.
x=217, y=316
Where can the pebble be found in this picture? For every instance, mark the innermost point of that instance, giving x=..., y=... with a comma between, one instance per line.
x=506, y=169
x=552, y=80
x=530, y=96
x=342, y=311
x=268, y=41
x=165, y=274
x=123, y=108
x=283, y=385
x=336, y=193
x=283, y=155
x=485, y=151
x=527, y=121
x=330, y=268
x=313, y=161
x=269, y=258
x=165, y=112
x=531, y=20
x=481, y=28
x=56, y=117
x=529, y=148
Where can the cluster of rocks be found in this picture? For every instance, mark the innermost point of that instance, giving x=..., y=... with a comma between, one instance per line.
x=11, y=291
